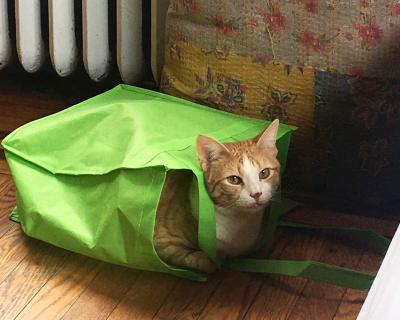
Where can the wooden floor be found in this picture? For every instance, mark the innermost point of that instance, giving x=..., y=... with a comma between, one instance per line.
x=39, y=281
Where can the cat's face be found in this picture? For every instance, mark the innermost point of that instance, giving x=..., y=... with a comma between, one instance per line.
x=241, y=176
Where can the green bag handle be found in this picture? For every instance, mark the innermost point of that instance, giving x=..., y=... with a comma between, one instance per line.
x=307, y=269
x=377, y=240
x=314, y=270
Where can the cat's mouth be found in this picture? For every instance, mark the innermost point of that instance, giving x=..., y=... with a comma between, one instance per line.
x=256, y=205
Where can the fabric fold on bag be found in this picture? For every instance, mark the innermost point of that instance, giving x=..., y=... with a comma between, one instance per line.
x=90, y=177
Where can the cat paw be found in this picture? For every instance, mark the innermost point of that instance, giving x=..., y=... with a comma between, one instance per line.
x=200, y=261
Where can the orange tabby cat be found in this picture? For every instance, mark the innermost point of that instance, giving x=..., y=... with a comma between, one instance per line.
x=241, y=178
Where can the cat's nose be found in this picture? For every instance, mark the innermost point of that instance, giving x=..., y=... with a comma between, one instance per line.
x=256, y=195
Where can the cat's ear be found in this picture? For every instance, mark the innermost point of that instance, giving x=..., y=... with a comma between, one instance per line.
x=209, y=150
x=266, y=142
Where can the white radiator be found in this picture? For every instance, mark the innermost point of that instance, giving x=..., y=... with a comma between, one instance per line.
x=63, y=49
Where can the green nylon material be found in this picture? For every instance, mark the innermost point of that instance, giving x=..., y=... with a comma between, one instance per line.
x=273, y=217
x=316, y=270
x=14, y=216
x=89, y=178
x=307, y=269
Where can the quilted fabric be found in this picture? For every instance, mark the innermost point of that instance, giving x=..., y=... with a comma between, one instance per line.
x=328, y=67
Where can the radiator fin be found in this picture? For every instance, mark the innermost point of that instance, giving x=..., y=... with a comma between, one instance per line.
x=96, y=50
x=130, y=58
x=30, y=45
x=62, y=41
x=5, y=43
x=63, y=34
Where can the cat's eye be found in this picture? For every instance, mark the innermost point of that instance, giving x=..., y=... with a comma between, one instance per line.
x=234, y=180
x=264, y=174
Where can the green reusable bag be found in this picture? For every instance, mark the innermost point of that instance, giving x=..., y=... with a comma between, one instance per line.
x=89, y=178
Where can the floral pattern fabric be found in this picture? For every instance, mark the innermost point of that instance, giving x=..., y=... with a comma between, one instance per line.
x=351, y=37
x=360, y=126
x=249, y=87
x=328, y=67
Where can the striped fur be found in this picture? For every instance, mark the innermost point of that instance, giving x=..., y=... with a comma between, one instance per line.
x=239, y=207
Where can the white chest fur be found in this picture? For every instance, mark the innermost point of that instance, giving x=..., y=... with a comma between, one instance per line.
x=237, y=233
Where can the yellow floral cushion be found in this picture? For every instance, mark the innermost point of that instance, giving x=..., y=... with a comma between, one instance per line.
x=248, y=87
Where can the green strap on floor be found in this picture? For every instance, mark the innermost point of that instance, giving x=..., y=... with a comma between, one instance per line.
x=316, y=270
x=377, y=240
x=273, y=217
x=307, y=269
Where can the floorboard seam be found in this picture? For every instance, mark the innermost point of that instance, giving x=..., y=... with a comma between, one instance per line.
x=13, y=268
x=77, y=297
x=40, y=288
x=345, y=291
x=317, y=258
x=166, y=297
x=122, y=298
x=209, y=299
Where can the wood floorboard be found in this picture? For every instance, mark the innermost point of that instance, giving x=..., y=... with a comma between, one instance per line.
x=279, y=294
x=5, y=183
x=40, y=281
x=25, y=97
x=145, y=297
x=103, y=294
x=321, y=299
x=60, y=291
x=4, y=170
x=32, y=273
x=353, y=299
x=234, y=294
x=237, y=291
x=7, y=203
x=13, y=249
x=188, y=299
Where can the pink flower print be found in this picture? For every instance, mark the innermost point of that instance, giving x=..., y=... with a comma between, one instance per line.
x=175, y=51
x=311, y=6
x=395, y=9
x=348, y=36
x=356, y=71
x=374, y=155
x=376, y=101
x=370, y=33
x=190, y=6
x=311, y=41
x=308, y=5
x=220, y=91
x=224, y=28
x=277, y=104
x=368, y=87
x=364, y=113
x=253, y=23
x=274, y=18
x=368, y=95
x=261, y=58
x=364, y=3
